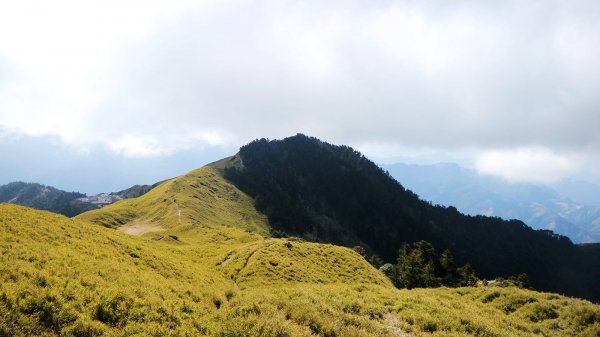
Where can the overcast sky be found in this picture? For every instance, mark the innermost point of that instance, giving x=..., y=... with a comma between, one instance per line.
x=508, y=87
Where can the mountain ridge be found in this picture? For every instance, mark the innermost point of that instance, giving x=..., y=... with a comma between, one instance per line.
x=48, y=198
x=42, y=197
x=540, y=206
x=196, y=256
x=334, y=194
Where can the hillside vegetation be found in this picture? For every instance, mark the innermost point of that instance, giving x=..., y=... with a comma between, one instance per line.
x=43, y=197
x=539, y=206
x=68, y=277
x=193, y=202
x=194, y=256
x=51, y=199
x=328, y=193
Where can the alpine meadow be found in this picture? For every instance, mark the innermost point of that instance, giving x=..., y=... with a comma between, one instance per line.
x=196, y=255
x=283, y=168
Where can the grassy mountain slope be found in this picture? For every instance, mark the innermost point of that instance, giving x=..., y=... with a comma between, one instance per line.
x=201, y=207
x=329, y=193
x=274, y=261
x=68, y=277
x=193, y=202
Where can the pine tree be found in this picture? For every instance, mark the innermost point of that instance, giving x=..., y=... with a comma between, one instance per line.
x=467, y=276
x=419, y=266
x=416, y=267
x=448, y=269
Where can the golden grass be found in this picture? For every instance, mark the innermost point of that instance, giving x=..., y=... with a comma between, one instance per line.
x=283, y=262
x=201, y=198
x=212, y=272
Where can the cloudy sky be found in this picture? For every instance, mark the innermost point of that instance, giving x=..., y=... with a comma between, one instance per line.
x=95, y=96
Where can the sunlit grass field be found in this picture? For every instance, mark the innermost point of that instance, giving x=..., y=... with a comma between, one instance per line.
x=201, y=264
x=201, y=198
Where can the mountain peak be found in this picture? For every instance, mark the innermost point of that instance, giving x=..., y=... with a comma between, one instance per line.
x=332, y=193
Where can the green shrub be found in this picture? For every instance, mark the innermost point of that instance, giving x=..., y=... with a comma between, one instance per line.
x=428, y=326
x=114, y=310
x=591, y=331
x=352, y=308
x=542, y=312
x=247, y=310
x=84, y=328
x=217, y=301
x=490, y=297
x=49, y=311
x=229, y=294
x=512, y=303
x=583, y=316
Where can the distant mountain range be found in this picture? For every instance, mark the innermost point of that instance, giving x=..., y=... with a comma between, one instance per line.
x=581, y=192
x=561, y=207
x=43, y=197
x=66, y=203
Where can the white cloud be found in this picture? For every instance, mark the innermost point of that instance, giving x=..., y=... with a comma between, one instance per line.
x=533, y=164
x=60, y=58
x=151, y=78
x=135, y=146
x=144, y=146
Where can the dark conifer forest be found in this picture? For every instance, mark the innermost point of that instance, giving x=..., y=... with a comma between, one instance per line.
x=333, y=194
x=43, y=197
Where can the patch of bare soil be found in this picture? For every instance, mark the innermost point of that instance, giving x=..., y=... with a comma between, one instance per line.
x=140, y=228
